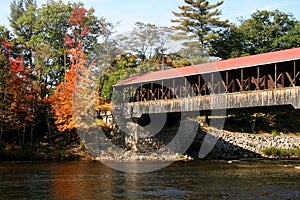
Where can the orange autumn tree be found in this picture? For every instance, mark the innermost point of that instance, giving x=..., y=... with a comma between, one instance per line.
x=77, y=76
x=62, y=99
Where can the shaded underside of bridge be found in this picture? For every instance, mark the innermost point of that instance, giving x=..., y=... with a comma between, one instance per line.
x=270, y=80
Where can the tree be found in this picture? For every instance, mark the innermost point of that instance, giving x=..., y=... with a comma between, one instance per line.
x=19, y=94
x=144, y=37
x=199, y=20
x=44, y=28
x=264, y=31
x=85, y=27
x=51, y=27
x=231, y=44
x=120, y=67
x=41, y=41
x=5, y=122
x=142, y=40
x=22, y=20
x=191, y=52
x=5, y=34
x=105, y=52
x=62, y=99
x=163, y=38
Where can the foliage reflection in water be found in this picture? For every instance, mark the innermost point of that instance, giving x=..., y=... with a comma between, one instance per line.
x=192, y=180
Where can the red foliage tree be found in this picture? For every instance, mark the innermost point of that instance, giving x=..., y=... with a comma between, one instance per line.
x=62, y=100
x=19, y=92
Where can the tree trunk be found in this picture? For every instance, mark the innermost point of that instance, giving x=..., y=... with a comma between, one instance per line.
x=23, y=137
x=31, y=136
x=1, y=134
x=48, y=123
x=19, y=137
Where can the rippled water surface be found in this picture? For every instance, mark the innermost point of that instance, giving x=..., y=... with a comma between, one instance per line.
x=181, y=180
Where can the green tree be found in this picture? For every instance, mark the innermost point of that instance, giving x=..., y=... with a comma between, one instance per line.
x=231, y=44
x=263, y=32
x=5, y=34
x=119, y=69
x=22, y=20
x=51, y=27
x=39, y=29
x=199, y=20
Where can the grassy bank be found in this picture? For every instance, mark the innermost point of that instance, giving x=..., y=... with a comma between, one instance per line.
x=274, y=152
x=53, y=149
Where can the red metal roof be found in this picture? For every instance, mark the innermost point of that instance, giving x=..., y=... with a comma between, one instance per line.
x=242, y=62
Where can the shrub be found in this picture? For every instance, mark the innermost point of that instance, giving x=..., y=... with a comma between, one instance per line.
x=276, y=152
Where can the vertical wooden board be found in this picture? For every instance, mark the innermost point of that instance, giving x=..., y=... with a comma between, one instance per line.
x=218, y=102
x=206, y=104
x=203, y=103
x=229, y=99
x=177, y=105
x=279, y=97
x=259, y=98
x=269, y=97
x=296, y=98
x=244, y=99
x=198, y=102
x=214, y=102
x=253, y=100
x=287, y=96
x=235, y=101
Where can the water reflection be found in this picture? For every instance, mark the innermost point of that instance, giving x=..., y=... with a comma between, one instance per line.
x=192, y=180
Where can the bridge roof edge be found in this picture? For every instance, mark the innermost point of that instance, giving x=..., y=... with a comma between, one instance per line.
x=223, y=65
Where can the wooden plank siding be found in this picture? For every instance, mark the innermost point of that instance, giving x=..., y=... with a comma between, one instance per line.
x=259, y=98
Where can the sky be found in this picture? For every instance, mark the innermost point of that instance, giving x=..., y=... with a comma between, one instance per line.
x=159, y=12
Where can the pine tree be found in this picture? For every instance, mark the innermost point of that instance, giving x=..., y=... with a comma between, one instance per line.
x=199, y=20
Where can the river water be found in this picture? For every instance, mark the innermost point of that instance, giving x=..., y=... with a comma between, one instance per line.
x=255, y=179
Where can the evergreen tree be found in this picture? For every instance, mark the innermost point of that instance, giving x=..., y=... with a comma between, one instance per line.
x=199, y=20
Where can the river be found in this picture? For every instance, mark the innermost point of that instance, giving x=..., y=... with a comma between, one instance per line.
x=254, y=179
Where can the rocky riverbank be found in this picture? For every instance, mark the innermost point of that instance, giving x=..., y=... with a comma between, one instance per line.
x=222, y=145
x=244, y=145
x=132, y=156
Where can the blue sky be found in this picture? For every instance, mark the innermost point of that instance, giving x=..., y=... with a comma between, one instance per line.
x=159, y=12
